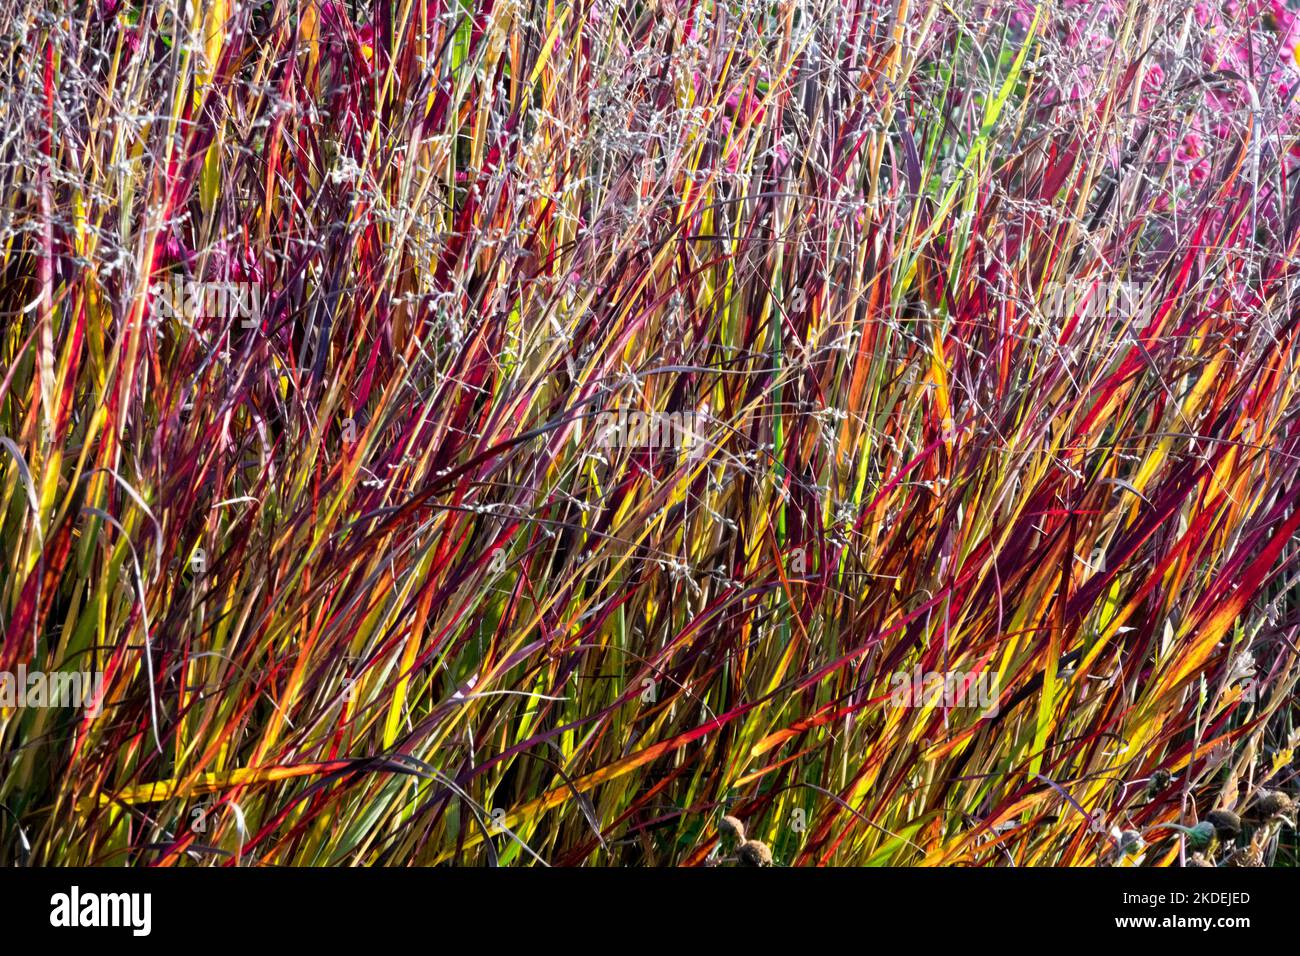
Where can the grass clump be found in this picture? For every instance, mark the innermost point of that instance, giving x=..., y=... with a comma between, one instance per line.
x=510, y=432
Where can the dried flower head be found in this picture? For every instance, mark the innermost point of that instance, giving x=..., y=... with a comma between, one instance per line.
x=1271, y=804
x=1226, y=823
x=754, y=853
x=1245, y=856
x=731, y=831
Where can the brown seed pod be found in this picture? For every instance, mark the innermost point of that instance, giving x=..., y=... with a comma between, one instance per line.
x=1273, y=803
x=754, y=853
x=731, y=831
x=1226, y=823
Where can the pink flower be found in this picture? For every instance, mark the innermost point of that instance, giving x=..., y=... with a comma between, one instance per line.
x=1191, y=148
x=744, y=106
x=170, y=250
x=1151, y=84
x=1287, y=25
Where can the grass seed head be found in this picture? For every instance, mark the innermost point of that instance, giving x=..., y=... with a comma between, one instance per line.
x=1159, y=781
x=731, y=831
x=1226, y=823
x=1271, y=804
x=754, y=853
